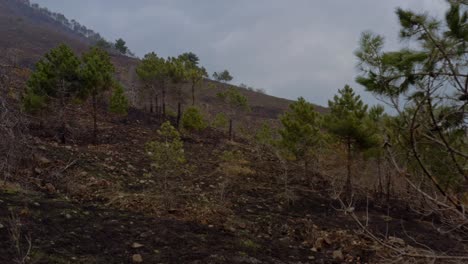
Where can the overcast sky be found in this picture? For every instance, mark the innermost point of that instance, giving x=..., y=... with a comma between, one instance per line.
x=290, y=48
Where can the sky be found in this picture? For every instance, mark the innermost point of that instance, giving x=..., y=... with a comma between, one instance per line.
x=290, y=48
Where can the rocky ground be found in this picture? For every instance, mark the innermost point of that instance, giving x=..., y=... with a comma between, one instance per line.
x=84, y=203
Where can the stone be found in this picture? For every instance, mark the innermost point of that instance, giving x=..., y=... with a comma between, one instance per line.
x=338, y=255
x=1, y=226
x=42, y=160
x=137, y=245
x=137, y=258
x=50, y=188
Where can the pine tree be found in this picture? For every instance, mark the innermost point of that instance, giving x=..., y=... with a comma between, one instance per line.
x=54, y=84
x=193, y=119
x=97, y=76
x=347, y=121
x=300, y=135
x=167, y=154
x=236, y=102
x=118, y=102
x=427, y=86
x=195, y=75
x=153, y=71
x=223, y=76
x=121, y=46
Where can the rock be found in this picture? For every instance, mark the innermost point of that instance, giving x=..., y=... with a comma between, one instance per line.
x=311, y=257
x=50, y=188
x=338, y=255
x=68, y=216
x=137, y=258
x=37, y=170
x=68, y=147
x=36, y=204
x=42, y=160
x=1, y=226
x=137, y=245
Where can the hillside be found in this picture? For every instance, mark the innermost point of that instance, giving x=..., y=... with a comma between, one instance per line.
x=28, y=35
x=80, y=183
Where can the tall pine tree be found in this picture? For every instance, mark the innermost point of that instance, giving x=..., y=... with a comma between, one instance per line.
x=347, y=121
x=54, y=84
x=97, y=76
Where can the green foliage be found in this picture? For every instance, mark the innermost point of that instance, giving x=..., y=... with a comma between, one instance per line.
x=176, y=69
x=427, y=88
x=97, y=71
x=265, y=135
x=348, y=118
x=193, y=119
x=103, y=44
x=233, y=98
x=167, y=154
x=121, y=46
x=152, y=68
x=55, y=80
x=191, y=58
x=118, y=102
x=220, y=121
x=223, y=76
x=300, y=134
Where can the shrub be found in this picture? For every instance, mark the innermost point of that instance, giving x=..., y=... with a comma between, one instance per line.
x=118, y=101
x=167, y=154
x=220, y=121
x=193, y=119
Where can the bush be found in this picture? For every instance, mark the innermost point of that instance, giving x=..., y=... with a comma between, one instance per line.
x=220, y=121
x=193, y=119
x=167, y=154
x=118, y=101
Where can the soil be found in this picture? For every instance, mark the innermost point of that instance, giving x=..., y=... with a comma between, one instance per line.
x=85, y=203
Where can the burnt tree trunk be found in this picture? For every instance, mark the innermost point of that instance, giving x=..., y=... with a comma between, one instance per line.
x=348, y=187
x=193, y=94
x=95, y=128
x=231, y=134
x=163, y=101
x=179, y=114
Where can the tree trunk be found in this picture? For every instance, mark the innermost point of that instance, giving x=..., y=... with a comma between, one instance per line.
x=379, y=171
x=179, y=114
x=95, y=128
x=306, y=169
x=163, y=101
x=151, y=105
x=348, y=187
x=156, y=107
x=193, y=94
x=231, y=135
x=63, y=139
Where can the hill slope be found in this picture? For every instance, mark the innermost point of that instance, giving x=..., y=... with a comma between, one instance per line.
x=28, y=35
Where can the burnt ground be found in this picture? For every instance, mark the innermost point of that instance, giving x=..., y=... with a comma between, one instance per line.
x=84, y=203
